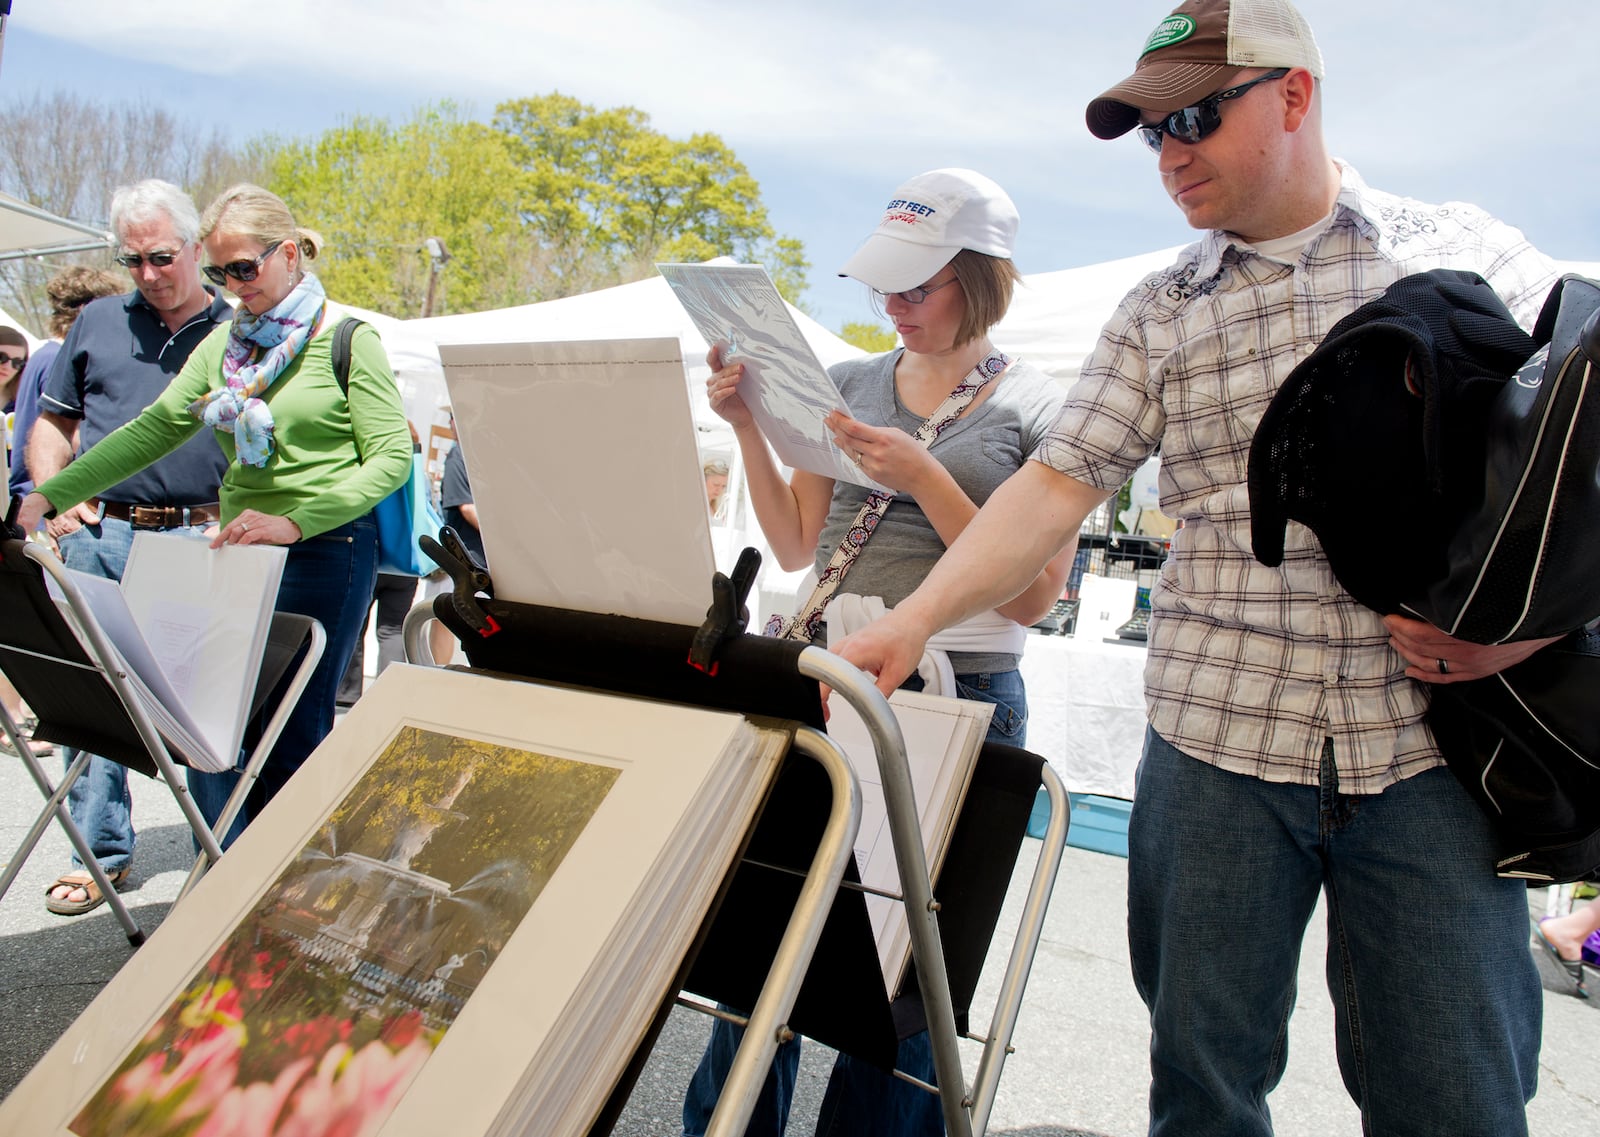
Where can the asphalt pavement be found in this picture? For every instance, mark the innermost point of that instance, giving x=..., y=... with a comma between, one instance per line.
x=1079, y=1070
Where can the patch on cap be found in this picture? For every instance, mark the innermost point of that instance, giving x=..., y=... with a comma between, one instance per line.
x=1174, y=29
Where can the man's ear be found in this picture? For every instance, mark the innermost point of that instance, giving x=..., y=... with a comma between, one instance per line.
x=1299, y=90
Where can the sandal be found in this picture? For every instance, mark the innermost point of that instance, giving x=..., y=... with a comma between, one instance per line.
x=1572, y=967
x=80, y=879
x=39, y=749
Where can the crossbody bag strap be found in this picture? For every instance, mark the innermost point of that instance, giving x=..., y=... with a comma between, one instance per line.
x=805, y=623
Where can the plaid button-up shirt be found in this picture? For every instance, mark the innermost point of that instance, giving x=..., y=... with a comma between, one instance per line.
x=1252, y=668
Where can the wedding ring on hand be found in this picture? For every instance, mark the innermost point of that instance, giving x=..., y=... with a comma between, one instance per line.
x=245, y=527
x=1444, y=668
x=859, y=457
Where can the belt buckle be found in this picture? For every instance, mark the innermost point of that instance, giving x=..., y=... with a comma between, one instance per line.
x=150, y=516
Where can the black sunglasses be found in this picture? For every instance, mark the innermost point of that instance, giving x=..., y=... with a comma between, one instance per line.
x=243, y=271
x=161, y=258
x=12, y=360
x=1191, y=124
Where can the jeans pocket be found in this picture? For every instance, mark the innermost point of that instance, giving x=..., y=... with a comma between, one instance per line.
x=1010, y=719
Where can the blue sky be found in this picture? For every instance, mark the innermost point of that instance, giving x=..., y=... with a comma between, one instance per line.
x=832, y=103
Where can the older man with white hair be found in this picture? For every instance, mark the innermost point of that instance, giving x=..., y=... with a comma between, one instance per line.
x=121, y=353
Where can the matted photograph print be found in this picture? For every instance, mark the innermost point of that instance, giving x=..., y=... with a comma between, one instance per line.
x=315, y=1015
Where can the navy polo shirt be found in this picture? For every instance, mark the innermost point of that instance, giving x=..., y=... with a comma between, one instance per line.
x=118, y=357
x=454, y=492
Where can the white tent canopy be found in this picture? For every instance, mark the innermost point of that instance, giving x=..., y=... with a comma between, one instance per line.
x=641, y=310
x=1055, y=317
x=27, y=231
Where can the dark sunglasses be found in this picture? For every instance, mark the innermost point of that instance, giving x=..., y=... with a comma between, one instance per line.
x=915, y=295
x=161, y=258
x=12, y=360
x=242, y=271
x=1191, y=124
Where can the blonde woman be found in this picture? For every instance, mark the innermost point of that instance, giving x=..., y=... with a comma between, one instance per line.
x=307, y=460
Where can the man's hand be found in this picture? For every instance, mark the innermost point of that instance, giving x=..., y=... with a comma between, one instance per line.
x=71, y=520
x=885, y=650
x=1436, y=657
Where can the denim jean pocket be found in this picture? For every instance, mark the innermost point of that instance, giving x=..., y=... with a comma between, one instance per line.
x=1010, y=717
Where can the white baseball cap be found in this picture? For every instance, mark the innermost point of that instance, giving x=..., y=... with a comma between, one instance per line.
x=929, y=220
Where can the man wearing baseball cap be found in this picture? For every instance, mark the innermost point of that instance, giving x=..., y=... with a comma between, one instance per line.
x=1287, y=756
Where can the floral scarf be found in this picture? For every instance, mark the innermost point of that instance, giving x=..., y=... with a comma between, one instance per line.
x=259, y=348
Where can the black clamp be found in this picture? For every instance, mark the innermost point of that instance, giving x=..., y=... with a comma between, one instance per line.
x=11, y=529
x=727, y=617
x=466, y=577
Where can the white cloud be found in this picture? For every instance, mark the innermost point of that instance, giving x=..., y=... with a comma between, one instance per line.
x=1437, y=98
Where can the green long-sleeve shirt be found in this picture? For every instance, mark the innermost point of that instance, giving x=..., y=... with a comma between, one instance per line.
x=335, y=457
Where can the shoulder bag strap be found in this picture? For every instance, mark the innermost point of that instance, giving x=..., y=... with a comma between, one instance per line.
x=805, y=624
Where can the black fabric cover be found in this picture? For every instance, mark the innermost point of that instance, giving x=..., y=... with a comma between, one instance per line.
x=78, y=707
x=1375, y=441
x=1450, y=467
x=75, y=705
x=1526, y=744
x=1521, y=565
x=755, y=675
x=842, y=1002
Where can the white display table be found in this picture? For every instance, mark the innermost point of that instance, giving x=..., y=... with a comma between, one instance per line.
x=1086, y=710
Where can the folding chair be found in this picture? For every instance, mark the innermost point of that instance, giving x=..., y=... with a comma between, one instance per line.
x=83, y=700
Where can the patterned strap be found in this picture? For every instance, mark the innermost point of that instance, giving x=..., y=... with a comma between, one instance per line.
x=808, y=621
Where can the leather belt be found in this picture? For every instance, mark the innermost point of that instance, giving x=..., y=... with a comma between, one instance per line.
x=160, y=516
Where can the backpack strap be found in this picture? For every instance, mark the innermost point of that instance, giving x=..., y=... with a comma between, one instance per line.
x=343, y=333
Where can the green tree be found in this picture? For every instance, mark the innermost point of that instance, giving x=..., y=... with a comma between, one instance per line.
x=868, y=337
x=606, y=196
x=377, y=192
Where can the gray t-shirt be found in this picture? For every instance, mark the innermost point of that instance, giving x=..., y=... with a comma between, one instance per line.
x=980, y=450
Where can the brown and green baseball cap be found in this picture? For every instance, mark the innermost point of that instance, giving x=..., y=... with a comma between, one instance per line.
x=1200, y=49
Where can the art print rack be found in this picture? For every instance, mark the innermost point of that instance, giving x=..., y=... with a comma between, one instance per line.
x=785, y=938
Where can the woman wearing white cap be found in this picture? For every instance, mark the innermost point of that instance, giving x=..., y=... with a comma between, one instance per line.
x=942, y=422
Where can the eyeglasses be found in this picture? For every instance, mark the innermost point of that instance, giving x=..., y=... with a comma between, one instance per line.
x=242, y=271
x=914, y=295
x=12, y=360
x=1191, y=124
x=161, y=258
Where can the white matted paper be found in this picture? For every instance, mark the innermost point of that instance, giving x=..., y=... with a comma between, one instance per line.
x=585, y=473
x=472, y=882
x=787, y=390
x=189, y=624
x=943, y=737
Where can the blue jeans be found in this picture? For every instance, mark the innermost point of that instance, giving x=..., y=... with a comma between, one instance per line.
x=860, y=1100
x=1436, y=1000
x=99, y=800
x=330, y=578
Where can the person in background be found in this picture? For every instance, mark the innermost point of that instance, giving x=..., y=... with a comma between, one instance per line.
x=68, y=291
x=940, y=263
x=118, y=356
x=13, y=358
x=1288, y=757
x=715, y=471
x=1573, y=941
x=460, y=514
x=392, y=596
x=306, y=461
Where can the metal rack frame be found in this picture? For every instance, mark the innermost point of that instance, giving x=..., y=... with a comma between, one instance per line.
x=966, y=1113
